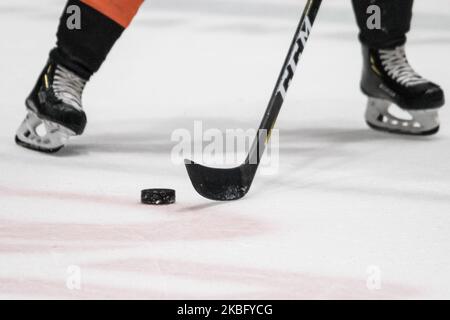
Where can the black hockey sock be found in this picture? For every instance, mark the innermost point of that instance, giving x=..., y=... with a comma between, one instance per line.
x=83, y=50
x=395, y=22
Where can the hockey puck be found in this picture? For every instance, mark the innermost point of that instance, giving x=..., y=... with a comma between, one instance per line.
x=158, y=196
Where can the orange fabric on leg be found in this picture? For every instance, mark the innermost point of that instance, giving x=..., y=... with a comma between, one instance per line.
x=121, y=11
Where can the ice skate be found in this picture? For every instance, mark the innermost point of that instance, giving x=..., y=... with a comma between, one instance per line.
x=400, y=100
x=54, y=110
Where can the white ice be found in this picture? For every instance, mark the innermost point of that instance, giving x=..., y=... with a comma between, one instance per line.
x=347, y=206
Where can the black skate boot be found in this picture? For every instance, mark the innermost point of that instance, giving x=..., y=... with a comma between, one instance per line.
x=389, y=81
x=55, y=105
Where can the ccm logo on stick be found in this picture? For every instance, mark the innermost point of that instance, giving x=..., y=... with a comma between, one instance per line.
x=295, y=57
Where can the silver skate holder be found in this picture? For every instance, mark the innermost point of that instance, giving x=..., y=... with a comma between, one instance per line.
x=384, y=115
x=44, y=135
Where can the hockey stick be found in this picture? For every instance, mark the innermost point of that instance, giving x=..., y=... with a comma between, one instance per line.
x=234, y=183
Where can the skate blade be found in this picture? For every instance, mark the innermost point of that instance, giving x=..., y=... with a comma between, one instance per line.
x=381, y=115
x=51, y=140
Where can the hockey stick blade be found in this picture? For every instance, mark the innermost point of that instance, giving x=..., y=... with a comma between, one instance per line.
x=221, y=184
x=234, y=183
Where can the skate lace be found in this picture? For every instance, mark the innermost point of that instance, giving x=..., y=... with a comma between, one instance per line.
x=68, y=86
x=397, y=66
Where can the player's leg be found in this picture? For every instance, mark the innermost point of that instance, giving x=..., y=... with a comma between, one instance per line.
x=55, y=101
x=388, y=79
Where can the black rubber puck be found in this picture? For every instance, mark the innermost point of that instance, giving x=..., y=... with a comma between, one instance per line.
x=158, y=196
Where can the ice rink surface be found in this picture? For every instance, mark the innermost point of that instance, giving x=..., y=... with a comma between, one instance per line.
x=347, y=205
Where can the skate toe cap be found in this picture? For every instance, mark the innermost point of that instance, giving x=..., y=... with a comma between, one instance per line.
x=67, y=116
